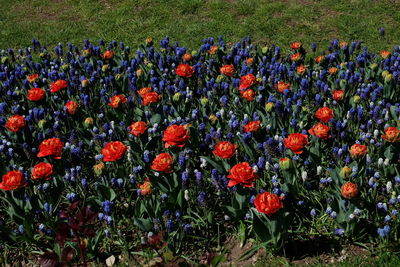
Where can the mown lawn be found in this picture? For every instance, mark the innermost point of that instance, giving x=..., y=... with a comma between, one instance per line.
x=189, y=21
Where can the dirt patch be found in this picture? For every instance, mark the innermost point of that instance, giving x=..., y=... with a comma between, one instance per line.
x=299, y=2
x=277, y=15
x=45, y=13
x=106, y=4
x=351, y=251
x=318, y=250
x=235, y=251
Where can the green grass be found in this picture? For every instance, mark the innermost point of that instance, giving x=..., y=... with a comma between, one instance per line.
x=189, y=21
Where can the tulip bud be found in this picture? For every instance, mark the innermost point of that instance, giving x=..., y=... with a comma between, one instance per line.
x=4, y=60
x=149, y=41
x=373, y=66
x=213, y=118
x=98, y=168
x=187, y=57
x=194, y=52
x=139, y=72
x=88, y=122
x=85, y=83
x=356, y=99
x=285, y=163
x=269, y=106
x=264, y=50
x=86, y=53
x=345, y=172
x=386, y=162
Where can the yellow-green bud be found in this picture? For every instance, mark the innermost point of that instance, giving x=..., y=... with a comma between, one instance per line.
x=356, y=99
x=269, y=106
x=264, y=50
x=104, y=68
x=345, y=172
x=384, y=73
x=4, y=60
x=388, y=78
x=150, y=65
x=118, y=76
x=177, y=97
x=373, y=66
x=204, y=101
x=194, y=52
x=65, y=67
x=304, y=108
x=219, y=78
x=41, y=124
x=42, y=54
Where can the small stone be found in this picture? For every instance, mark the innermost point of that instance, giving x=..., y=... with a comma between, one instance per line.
x=110, y=261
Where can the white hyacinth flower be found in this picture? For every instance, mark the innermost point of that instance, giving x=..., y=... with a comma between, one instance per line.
x=386, y=162
x=203, y=163
x=380, y=162
x=319, y=170
x=389, y=187
x=129, y=156
x=186, y=195
x=267, y=166
x=304, y=176
x=376, y=133
x=255, y=168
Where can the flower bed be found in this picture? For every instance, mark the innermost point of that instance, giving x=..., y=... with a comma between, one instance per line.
x=104, y=150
